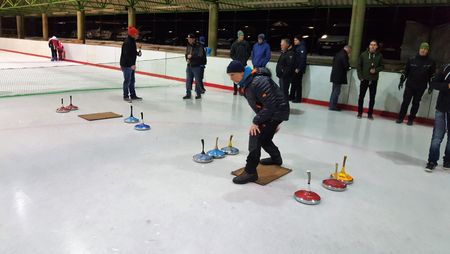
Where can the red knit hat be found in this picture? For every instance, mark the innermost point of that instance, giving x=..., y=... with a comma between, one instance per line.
x=132, y=31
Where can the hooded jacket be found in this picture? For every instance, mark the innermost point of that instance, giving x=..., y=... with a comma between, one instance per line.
x=418, y=72
x=265, y=97
x=261, y=54
x=441, y=82
x=367, y=61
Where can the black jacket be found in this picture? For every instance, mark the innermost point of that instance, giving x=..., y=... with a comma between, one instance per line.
x=440, y=82
x=340, y=68
x=300, y=57
x=286, y=64
x=266, y=98
x=198, y=55
x=418, y=72
x=129, y=53
x=241, y=51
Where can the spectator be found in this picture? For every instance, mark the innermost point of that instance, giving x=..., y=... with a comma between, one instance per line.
x=261, y=52
x=285, y=66
x=418, y=72
x=300, y=67
x=53, y=45
x=369, y=66
x=61, y=51
x=195, y=58
x=339, y=75
x=441, y=120
x=240, y=51
x=128, y=64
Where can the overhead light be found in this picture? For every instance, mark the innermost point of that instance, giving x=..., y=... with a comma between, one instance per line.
x=310, y=27
x=197, y=31
x=246, y=26
x=170, y=31
x=305, y=36
x=324, y=36
x=60, y=12
x=169, y=7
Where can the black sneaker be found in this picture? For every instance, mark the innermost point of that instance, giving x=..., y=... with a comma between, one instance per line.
x=334, y=109
x=235, y=93
x=127, y=99
x=186, y=97
x=430, y=166
x=399, y=121
x=359, y=116
x=198, y=97
x=370, y=117
x=410, y=122
x=269, y=161
x=245, y=178
x=446, y=164
x=135, y=98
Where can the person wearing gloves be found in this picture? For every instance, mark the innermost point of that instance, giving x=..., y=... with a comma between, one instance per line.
x=418, y=72
x=369, y=66
x=128, y=64
x=271, y=107
x=261, y=52
x=240, y=51
x=440, y=82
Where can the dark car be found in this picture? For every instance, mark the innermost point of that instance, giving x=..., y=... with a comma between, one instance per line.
x=334, y=39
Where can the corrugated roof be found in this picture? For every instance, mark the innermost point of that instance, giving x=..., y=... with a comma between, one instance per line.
x=69, y=7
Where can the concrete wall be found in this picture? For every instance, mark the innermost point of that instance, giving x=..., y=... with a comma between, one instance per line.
x=316, y=85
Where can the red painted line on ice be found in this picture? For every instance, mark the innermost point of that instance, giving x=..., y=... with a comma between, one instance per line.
x=386, y=114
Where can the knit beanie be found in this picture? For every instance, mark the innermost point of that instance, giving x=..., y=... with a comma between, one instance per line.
x=235, y=66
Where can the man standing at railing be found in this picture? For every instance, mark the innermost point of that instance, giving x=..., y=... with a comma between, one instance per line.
x=128, y=64
x=240, y=51
x=196, y=60
x=418, y=72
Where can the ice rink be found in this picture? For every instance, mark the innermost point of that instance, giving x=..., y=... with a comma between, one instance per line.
x=72, y=186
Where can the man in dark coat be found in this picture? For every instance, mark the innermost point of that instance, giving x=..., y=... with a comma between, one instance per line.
x=285, y=66
x=418, y=72
x=369, y=66
x=240, y=51
x=339, y=75
x=128, y=64
x=271, y=108
x=300, y=67
x=196, y=60
x=441, y=120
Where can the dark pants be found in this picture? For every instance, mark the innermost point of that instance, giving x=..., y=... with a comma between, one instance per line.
x=128, y=82
x=296, y=88
x=262, y=140
x=54, y=54
x=416, y=96
x=191, y=73
x=441, y=126
x=372, y=86
x=334, y=98
x=285, y=82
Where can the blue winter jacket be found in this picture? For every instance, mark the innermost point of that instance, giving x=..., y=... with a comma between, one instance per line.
x=260, y=55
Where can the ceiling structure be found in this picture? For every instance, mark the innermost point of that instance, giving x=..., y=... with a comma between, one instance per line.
x=97, y=7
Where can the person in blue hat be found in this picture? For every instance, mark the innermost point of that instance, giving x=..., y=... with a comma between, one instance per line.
x=271, y=107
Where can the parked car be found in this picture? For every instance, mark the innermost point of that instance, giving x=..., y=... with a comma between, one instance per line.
x=334, y=39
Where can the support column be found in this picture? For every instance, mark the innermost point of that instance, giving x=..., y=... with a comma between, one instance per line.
x=20, y=27
x=131, y=16
x=1, y=27
x=44, y=26
x=212, y=27
x=80, y=26
x=358, y=28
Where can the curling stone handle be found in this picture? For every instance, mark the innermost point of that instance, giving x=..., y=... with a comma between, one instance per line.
x=230, y=144
x=131, y=110
x=309, y=177
x=343, y=165
x=142, y=116
x=71, y=99
x=336, y=170
x=62, y=101
x=203, y=146
x=217, y=143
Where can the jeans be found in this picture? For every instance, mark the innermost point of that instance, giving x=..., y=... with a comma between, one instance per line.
x=334, y=98
x=372, y=86
x=191, y=73
x=416, y=96
x=128, y=82
x=284, y=84
x=262, y=140
x=441, y=126
x=296, y=88
x=54, y=54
